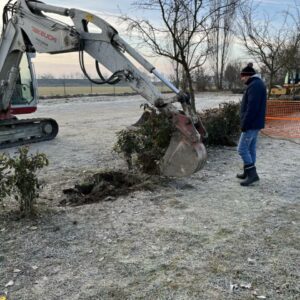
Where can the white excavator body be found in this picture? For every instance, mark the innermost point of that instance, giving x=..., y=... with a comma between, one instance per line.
x=27, y=30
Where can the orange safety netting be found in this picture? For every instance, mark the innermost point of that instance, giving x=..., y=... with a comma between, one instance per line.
x=283, y=118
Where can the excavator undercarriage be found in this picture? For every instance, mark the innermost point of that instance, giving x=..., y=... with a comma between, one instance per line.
x=16, y=132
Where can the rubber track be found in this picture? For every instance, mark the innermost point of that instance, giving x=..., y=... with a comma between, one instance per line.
x=37, y=122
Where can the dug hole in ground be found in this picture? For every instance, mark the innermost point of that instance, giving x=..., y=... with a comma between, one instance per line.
x=201, y=237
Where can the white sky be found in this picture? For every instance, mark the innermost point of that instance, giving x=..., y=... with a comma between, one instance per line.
x=66, y=64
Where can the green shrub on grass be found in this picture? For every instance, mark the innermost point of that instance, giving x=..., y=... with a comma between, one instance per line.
x=26, y=183
x=18, y=178
x=222, y=124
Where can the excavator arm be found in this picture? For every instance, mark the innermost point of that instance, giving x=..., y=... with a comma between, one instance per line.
x=30, y=30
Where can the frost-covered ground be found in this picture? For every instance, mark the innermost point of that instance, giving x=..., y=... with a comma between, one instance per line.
x=201, y=237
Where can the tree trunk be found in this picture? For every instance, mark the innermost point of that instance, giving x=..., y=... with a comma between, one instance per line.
x=189, y=80
x=270, y=83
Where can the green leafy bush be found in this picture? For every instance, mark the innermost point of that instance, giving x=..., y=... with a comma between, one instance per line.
x=18, y=177
x=222, y=124
x=26, y=183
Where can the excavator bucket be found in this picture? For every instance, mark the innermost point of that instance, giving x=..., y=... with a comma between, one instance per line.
x=186, y=153
x=182, y=158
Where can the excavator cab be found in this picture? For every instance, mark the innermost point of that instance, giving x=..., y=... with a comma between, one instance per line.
x=290, y=89
x=292, y=77
x=25, y=98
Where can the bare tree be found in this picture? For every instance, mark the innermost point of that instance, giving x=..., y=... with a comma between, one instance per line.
x=291, y=54
x=221, y=36
x=268, y=41
x=183, y=36
x=201, y=79
x=232, y=75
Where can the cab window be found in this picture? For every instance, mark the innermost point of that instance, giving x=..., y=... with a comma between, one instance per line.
x=23, y=93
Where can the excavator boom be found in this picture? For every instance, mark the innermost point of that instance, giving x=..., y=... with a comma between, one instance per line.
x=29, y=30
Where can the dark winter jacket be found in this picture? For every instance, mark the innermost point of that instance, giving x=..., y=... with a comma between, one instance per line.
x=253, y=106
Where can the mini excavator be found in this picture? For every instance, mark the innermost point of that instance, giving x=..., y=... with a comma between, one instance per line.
x=27, y=30
x=290, y=89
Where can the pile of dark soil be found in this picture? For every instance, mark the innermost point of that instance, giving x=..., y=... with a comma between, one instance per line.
x=107, y=186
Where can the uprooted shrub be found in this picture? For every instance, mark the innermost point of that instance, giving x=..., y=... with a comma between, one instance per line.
x=19, y=178
x=222, y=124
x=144, y=144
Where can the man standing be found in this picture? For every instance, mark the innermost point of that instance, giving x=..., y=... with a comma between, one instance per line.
x=253, y=110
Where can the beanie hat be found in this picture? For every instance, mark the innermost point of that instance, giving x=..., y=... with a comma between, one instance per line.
x=248, y=71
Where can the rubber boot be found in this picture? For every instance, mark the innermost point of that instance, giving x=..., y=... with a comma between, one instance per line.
x=251, y=176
